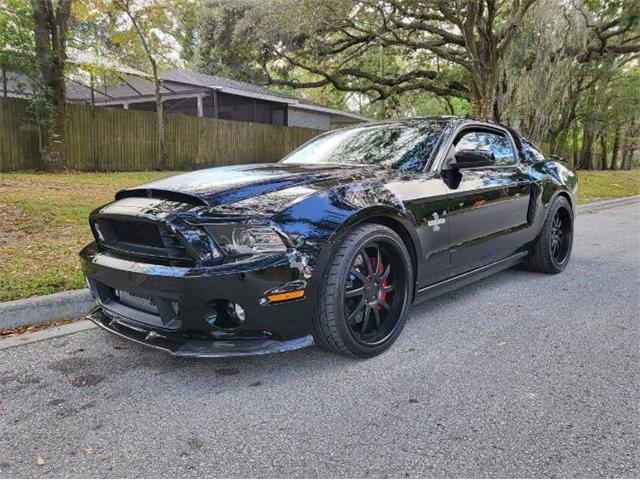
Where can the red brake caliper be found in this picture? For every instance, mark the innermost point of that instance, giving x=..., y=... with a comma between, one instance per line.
x=385, y=283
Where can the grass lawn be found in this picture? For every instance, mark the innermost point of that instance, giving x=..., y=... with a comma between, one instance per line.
x=43, y=222
x=594, y=186
x=43, y=225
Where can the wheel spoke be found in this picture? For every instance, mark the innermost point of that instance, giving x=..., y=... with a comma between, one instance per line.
x=376, y=314
x=365, y=321
x=378, y=260
x=356, y=292
x=387, y=288
x=386, y=273
x=367, y=261
x=384, y=305
x=356, y=311
x=359, y=275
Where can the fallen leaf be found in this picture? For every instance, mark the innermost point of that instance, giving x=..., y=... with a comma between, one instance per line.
x=87, y=450
x=2, y=412
x=40, y=460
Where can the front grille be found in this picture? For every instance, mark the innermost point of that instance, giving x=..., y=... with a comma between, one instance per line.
x=143, y=304
x=137, y=233
x=153, y=311
x=141, y=240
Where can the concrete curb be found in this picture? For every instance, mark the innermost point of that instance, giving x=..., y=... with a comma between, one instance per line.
x=53, y=332
x=602, y=204
x=46, y=308
x=76, y=303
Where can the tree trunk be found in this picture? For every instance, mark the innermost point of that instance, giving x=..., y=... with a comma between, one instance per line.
x=559, y=136
x=628, y=145
x=603, y=149
x=143, y=37
x=574, y=140
x=482, y=46
x=560, y=144
x=482, y=103
x=4, y=81
x=50, y=38
x=615, y=148
x=57, y=133
x=162, y=138
x=586, y=154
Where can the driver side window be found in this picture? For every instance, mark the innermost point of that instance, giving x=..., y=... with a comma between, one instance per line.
x=492, y=142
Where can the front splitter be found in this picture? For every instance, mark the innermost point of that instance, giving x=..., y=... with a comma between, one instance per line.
x=194, y=348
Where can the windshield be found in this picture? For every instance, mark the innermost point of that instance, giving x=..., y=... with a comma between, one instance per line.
x=404, y=147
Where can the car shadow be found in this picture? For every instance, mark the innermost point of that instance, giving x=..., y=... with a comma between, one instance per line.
x=307, y=362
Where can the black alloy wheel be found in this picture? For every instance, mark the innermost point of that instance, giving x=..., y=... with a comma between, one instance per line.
x=365, y=293
x=551, y=251
x=560, y=237
x=369, y=297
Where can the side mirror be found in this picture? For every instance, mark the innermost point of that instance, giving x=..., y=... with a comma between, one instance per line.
x=472, y=158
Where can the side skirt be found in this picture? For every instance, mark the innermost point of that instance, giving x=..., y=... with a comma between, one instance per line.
x=431, y=291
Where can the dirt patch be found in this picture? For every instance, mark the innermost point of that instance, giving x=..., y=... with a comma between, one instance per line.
x=86, y=380
x=10, y=219
x=52, y=184
x=71, y=365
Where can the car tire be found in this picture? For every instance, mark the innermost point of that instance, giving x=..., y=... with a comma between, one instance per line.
x=356, y=276
x=551, y=250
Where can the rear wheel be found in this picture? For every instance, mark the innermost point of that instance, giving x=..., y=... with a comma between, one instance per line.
x=552, y=249
x=365, y=293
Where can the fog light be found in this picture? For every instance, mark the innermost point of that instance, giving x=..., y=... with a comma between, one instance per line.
x=236, y=311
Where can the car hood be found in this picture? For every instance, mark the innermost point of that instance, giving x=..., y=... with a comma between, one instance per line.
x=214, y=187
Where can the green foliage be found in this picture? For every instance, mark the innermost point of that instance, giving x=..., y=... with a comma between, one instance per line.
x=107, y=26
x=17, y=51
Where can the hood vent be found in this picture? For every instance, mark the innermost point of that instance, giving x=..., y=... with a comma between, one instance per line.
x=161, y=195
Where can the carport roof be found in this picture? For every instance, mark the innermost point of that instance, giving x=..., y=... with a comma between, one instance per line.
x=185, y=82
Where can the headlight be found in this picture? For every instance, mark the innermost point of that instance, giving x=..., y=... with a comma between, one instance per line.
x=236, y=239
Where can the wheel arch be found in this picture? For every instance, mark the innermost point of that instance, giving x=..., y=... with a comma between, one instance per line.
x=557, y=194
x=566, y=195
x=397, y=221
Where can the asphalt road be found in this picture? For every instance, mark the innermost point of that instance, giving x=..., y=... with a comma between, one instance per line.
x=518, y=375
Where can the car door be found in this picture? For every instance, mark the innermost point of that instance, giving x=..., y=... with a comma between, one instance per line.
x=487, y=205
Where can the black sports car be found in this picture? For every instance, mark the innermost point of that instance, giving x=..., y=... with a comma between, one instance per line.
x=330, y=245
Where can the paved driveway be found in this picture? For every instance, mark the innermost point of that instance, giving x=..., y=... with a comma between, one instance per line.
x=518, y=375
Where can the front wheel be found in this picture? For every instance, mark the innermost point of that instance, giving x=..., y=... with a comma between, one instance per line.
x=365, y=293
x=552, y=249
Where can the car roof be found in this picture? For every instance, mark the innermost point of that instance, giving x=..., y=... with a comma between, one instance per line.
x=416, y=121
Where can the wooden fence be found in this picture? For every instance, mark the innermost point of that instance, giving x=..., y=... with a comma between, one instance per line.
x=108, y=139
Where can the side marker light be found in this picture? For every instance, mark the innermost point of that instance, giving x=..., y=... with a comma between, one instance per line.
x=281, y=297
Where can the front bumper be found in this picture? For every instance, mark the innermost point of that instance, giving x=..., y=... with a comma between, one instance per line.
x=175, y=304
